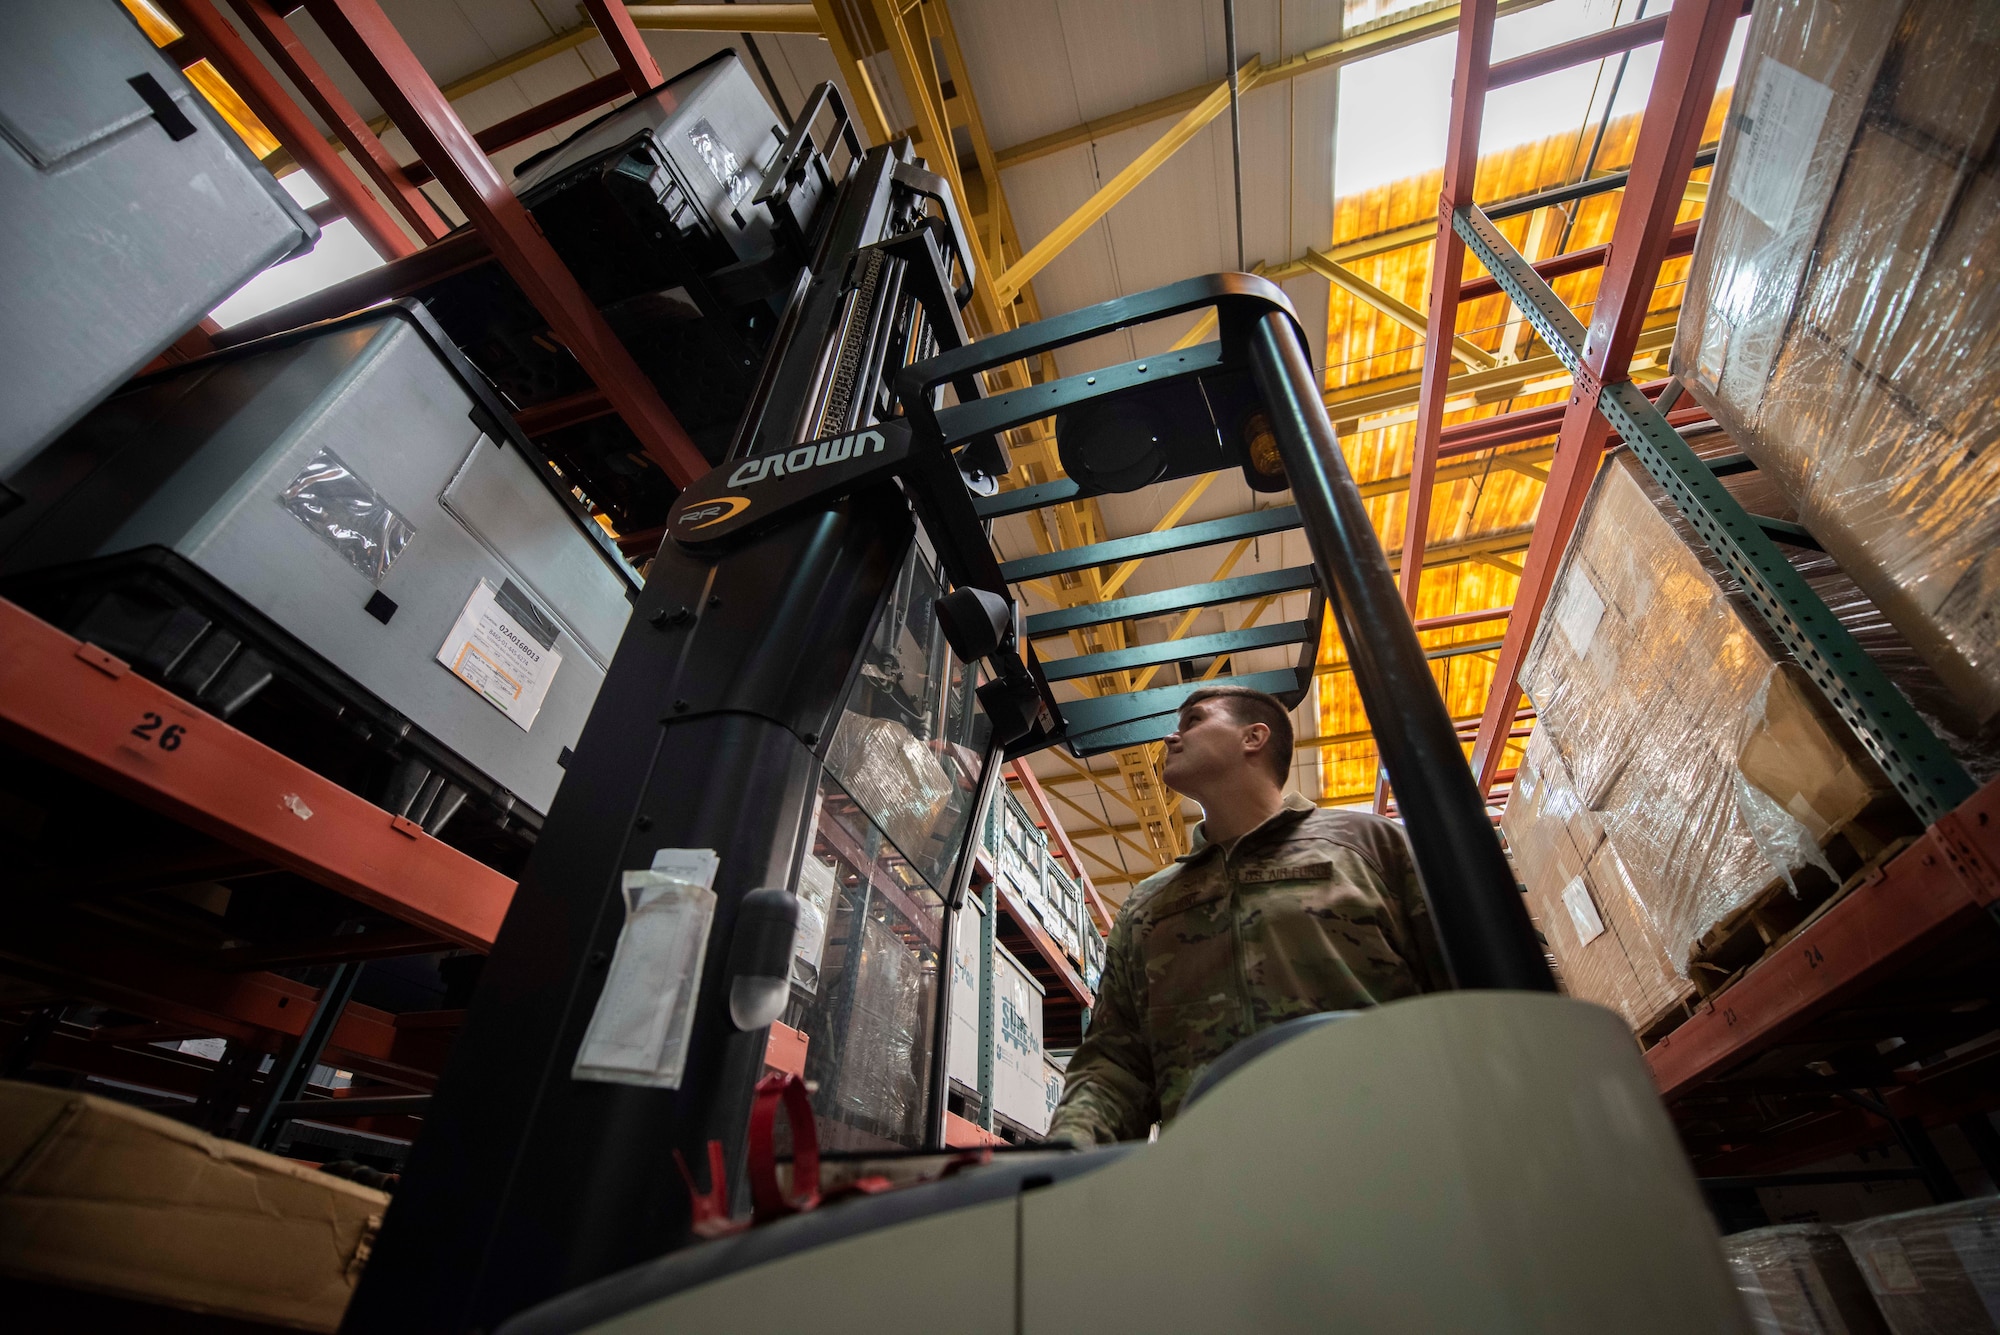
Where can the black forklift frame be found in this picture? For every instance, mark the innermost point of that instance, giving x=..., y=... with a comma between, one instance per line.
x=746, y=640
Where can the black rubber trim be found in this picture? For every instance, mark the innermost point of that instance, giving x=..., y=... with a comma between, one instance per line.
x=706, y=1262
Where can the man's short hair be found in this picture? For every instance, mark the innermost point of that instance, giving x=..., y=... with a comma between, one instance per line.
x=1246, y=707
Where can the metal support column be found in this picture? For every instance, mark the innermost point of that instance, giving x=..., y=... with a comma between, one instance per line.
x=295, y=130
x=988, y=1022
x=1482, y=924
x=628, y=48
x=1461, y=170
x=324, y=96
x=294, y=1066
x=1461, y=166
x=990, y=782
x=1695, y=39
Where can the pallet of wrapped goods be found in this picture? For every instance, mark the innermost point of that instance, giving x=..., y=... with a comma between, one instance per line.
x=1736, y=802
x=99, y=1196
x=1842, y=315
x=1800, y=1279
x=1933, y=1271
x=1580, y=896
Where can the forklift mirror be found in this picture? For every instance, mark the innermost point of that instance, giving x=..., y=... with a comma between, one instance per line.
x=975, y=621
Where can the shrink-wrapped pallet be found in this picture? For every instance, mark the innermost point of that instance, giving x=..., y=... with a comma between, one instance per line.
x=1842, y=315
x=1799, y=1279
x=1713, y=767
x=1933, y=1271
x=897, y=780
x=1581, y=896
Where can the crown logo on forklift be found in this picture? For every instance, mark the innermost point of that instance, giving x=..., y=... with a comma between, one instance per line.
x=763, y=489
x=814, y=454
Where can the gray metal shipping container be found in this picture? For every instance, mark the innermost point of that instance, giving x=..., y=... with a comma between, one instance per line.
x=128, y=211
x=716, y=130
x=354, y=483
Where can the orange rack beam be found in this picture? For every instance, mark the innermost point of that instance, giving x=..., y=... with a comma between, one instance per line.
x=84, y=710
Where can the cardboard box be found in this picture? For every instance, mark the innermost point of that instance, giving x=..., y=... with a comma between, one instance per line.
x=1842, y=317
x=1581, y=897
x=1020, y=1080
x=1799, y=1279
x=97, y=1195
x=1705, y=760
x=1934, y=1271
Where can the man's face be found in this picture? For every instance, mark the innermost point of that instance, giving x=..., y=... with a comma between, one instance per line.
x=1207, y=749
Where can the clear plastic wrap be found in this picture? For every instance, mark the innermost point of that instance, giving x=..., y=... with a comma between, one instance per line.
x=895, y=778
x=337, y=503
x=911, y=734
x=1799, y=1279
x=1933, y=1271
x=1842, y=316
x=881, y=1081
x=1581, y=896
x=1712, y=767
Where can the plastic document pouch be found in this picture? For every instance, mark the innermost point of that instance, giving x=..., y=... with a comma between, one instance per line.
x=638, y=1034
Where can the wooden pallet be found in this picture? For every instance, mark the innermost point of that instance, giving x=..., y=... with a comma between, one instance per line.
x=1778, y=913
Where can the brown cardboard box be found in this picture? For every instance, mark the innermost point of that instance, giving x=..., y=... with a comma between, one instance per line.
x=1581, y=898
x=1843, y=309
x=1934, y=1271
x=97, y=1195
x=1795, y=753
x=1700, y=754
x=1799, y=1279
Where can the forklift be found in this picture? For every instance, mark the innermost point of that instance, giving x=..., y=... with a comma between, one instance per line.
x=771, y=815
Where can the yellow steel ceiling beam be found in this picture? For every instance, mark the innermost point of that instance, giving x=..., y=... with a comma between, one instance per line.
x=507, y=66
x=1352, y=283
x=1099, y=778
x=1124, y=183
x=849, y=42
x=1361, y=248
x=801, y=18
x=1350, y=403
x=1173, y=516
x=1370, y=41
x=1098, y=824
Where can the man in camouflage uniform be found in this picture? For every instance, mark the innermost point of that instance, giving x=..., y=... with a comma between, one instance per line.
x=1279, y=910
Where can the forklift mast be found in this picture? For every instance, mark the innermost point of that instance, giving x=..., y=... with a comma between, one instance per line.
x=787, y=653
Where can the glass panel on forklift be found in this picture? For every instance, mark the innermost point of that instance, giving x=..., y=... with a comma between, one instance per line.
x=910, y=739
x=899, y=791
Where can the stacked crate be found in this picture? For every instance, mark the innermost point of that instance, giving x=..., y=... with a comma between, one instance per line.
x=1688, y=799
x=1842, y=316
x=1035, y=877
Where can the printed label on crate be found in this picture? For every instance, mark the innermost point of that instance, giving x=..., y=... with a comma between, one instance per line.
x=503, y=646
x=1779, y=130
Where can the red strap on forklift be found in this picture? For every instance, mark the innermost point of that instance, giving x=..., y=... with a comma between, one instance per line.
x=767, y=1198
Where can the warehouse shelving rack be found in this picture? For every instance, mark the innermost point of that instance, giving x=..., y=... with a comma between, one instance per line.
x=209, y=801
x=243, y=807
x=1851, y=971
x=1748, y=1076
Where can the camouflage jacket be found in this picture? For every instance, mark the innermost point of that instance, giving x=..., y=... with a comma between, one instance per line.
x=1311, y=911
